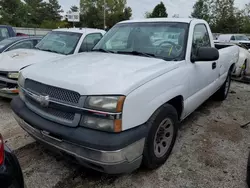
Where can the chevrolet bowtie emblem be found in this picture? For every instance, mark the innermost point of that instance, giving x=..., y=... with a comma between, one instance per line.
x=43, y=100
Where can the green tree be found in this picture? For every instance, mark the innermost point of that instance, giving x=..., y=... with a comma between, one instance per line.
x=92, y=12
x=53, y=10
x=13, y=12
x=224, y=16
x=201, y=10
x=36, y=10
x=158, y=12
x=74, y=8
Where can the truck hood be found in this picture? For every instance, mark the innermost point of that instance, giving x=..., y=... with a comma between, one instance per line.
x=97, y=73
x=16, y=59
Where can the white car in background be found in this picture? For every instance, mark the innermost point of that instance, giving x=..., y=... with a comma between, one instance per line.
x=235, y=38
x=242, y=66
x=56, y=44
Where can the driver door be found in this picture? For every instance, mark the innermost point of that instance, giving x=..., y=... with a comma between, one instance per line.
x=203, y=74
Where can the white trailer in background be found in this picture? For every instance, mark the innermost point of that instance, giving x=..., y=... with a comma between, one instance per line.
x=32, y=31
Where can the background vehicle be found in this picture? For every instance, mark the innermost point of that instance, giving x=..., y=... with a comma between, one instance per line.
x=10, y=170
x=18, y=42
x=242, y=66
x=119, y=106
x=235, y=38
x=8, y=31
x=54, y=45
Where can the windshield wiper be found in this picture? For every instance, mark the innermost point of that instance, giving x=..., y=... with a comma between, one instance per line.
x=48, y=50
x=102, y=50
x=136, y=53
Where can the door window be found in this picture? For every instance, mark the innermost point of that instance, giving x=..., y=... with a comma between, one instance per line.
x=24, y=44
x=90, y=41
x=201, y=38
x=232, y=38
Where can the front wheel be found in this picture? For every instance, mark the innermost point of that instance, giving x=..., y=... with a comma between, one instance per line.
x=222, y=93
x=162, y=136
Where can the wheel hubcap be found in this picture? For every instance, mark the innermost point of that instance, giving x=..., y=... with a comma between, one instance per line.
x=163, y=137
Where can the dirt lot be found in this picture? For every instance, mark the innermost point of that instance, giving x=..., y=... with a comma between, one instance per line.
x=211, y=151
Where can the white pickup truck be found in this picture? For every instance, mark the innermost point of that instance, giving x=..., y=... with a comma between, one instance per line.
x=54, y=45
x=119, y=106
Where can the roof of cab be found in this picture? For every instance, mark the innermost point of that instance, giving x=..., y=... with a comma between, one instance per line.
x=81, y=30
x=183, y=20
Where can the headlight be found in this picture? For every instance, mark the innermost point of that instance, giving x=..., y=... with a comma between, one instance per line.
x=105, y=103
x=99, y=123
x=21, y=80
x=13, y=75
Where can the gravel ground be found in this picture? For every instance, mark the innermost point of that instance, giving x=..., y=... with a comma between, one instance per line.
x=211, y=152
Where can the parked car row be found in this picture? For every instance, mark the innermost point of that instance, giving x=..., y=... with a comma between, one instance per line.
x=54, y=45
x=117, y=104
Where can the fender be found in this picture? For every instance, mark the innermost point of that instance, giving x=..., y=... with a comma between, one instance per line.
x=140, y=105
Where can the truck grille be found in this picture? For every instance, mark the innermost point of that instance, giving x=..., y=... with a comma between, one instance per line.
x=63, y=96
x=58, y=94
x=3, y=74
x=51, y=112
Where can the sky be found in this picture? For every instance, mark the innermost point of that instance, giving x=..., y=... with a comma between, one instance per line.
x=181, y=7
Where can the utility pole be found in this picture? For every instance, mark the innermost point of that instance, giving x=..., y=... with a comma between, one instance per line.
x=104, y=14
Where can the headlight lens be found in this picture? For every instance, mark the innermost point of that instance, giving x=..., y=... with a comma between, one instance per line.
x=21, y=80
x=105, y=103
x=98, y=123
x=13, y=75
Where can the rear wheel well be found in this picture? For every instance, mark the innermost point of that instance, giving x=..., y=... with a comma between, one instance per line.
x=177, y=103
x=231, y=69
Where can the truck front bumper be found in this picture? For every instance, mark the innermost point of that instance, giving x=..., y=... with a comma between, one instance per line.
x=8, y=92
x=110, y=154
x=8, y=87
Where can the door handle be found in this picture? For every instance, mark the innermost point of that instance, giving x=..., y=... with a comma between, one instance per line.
x=214, y=65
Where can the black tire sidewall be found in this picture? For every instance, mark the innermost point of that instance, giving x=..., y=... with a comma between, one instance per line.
x=220, y=95
x=149, y=158
x=228, y=77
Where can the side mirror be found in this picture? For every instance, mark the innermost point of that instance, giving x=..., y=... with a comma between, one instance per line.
x=205, y=54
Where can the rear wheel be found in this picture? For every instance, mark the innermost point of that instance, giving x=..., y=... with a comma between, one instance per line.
x=222, y=93
x=162, y=136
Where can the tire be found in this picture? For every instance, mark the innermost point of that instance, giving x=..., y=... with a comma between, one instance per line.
x=161, y=137
x=222, y=93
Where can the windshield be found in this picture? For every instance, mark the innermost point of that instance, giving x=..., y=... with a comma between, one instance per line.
x=241, y=37
x=163, y=40
x=59, y=42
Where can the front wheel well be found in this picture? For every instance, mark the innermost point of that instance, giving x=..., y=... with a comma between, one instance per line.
x=177, y=103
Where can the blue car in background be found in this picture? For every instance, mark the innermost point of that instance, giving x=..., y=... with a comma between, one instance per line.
x=19, y=42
